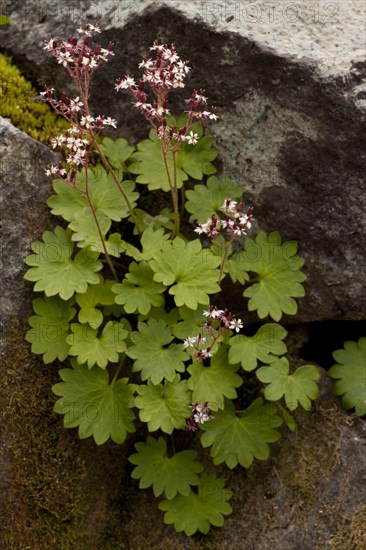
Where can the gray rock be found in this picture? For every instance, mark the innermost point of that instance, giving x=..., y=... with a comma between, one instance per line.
x=292, y=113
x=24, y=214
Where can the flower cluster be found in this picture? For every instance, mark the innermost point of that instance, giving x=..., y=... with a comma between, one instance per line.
x=201, y=413
x=236, y=221
x=80, y=61
x=161, y=74
x=218, y=321
x=76, y=55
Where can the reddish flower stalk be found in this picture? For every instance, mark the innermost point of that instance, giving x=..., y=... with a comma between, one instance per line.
x=218, y=322
x=161, y=75
x=80, y=60
x=236, y=223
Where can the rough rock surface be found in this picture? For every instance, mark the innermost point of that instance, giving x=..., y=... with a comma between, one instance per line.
x=24, y=214
x=58, y=492
x=291, y=105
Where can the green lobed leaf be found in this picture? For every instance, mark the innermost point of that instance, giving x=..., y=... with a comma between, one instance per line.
x=152, y=241
x=192, y=319
x=198, y=511
x=117, y=152
x=264, y=346
x=104, y=193
x=153, y=352
x=85, y=230
x=168, y=475
x=204, y=200
x=149, y=165
x=215, y=382
x=350, y=373
x=297, y=388
x=196, y=160
x=99, y=408
x=191, y=160
x=100, y=294
x=97, y=349
x=164, y=406
x=279, y=276
x=50, y=327
x=55, y=271
x=143, y=220
x=138, y=291
x=170, y=318
x=239, y=439
x=190, y=269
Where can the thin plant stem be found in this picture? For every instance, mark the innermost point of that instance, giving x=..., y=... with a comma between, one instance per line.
x=107, y=256
x=224, y=258
x=114, y=176
x=173, y=191
x=84, y=94
x=118, y=370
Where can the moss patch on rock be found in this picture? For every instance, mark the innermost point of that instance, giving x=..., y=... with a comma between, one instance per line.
x=19, y=103
x=55, y=490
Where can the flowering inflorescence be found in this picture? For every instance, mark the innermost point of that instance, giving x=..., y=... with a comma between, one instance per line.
x=201, y=413
x=80, y=60
x=218, y=321
x=235, y=224
x=76, y=55
x=161, y=74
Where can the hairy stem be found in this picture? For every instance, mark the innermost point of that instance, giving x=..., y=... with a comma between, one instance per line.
x=118, y=370
x=224, y=258
x=113, y=174
x=84, y=94
x=107, y=256
x=173, y=190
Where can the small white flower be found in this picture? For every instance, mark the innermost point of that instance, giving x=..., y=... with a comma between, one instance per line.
x=75, y=104
x=110, y=122
x=51, y=170
x=201, y=228
x=94, y=28
x=128, y=82
x=229, y=205
x=58, y=141
x=190, y=341
x=49, y=45
x=202, y=98
x=236, y=324
x=216, y=313
x=212, y=116
x=87, y=121
x=192, y=138
x=65, y=58
x=145, y=64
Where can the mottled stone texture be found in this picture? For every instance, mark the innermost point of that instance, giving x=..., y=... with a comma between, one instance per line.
x=24, y=213
x=289, y=133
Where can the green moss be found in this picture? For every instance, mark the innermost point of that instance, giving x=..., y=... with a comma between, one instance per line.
x=61, y=492
x=19, y=103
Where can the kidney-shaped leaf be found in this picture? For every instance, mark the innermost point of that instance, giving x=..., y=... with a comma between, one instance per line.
x=98, y=408
x=190, y=271
x=264, y=346
x=168, y=475
x=55, y=271
x=238, y=439
x=164, y=406
x=198, y=511
x=299, y=387
x=350, y=372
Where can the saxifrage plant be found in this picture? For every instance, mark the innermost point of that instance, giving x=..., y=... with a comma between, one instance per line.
x=133, y=305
